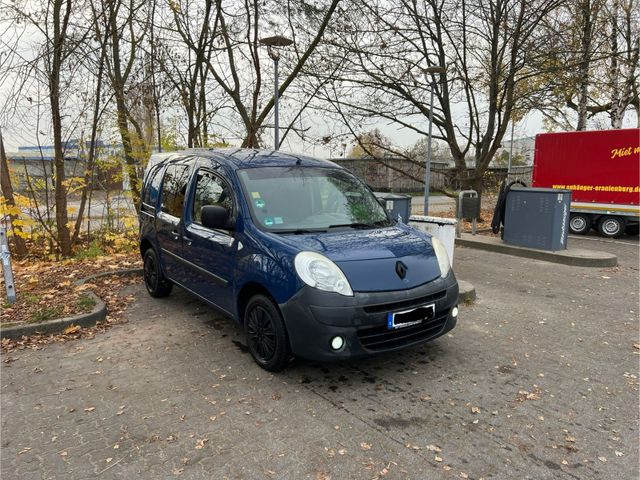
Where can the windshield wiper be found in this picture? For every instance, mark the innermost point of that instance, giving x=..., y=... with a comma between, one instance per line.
x=299, y=231
x=358, y=225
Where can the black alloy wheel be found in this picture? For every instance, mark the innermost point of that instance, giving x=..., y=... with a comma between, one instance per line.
x=266, y=335
x=157, y=285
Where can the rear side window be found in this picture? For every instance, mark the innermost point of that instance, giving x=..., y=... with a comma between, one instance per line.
x=210, y=190
x=152, y=189
x=174, y=189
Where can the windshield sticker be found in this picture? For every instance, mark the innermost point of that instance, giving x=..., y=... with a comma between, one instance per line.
x=255, y=194
x=260, y=203
x=278, y=220
x=268, y=221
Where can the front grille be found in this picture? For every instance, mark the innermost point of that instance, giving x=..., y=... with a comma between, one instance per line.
x=381, y=338
x=396, y=306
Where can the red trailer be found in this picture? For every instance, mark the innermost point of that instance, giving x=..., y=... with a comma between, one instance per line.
x=602, y=170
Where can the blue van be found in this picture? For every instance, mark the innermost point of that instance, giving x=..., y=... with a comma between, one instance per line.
x=297, y=250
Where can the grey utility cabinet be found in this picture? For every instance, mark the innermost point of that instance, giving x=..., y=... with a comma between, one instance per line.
x=537, y=218
x=397, y=204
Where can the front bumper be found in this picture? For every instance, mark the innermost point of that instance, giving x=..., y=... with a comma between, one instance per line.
x=314, y=317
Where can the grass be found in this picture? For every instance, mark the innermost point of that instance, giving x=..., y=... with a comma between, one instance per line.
x=31, y=298
x=46, y=313
x=85, y=302
x=93, y=250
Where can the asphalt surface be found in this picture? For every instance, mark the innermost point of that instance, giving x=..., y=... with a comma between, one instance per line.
x=539, y=380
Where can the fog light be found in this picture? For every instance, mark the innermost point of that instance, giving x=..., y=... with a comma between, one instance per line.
x=454, y=312
x=337, y=343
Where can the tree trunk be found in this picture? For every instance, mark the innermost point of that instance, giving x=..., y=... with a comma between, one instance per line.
x=585, y=61
x=59, y=27
x=89, y=168
x=122, y=111
x=7, y=192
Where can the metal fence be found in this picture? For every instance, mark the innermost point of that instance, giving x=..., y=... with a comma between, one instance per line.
x=401, y=175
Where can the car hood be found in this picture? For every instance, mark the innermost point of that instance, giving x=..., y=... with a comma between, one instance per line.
x=369, y=258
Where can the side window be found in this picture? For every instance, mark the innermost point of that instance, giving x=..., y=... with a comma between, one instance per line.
x=152, y=188
x=210, y=190
x=174, y=189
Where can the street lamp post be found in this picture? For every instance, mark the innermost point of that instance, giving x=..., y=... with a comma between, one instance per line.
x=272, y=43
x=427, y=167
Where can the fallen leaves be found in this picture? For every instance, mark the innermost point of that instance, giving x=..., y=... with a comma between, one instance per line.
x=35, y=281
x=201, y=443
x=524, y=395
x=71, y=329
x=365, y=446
x=89, y=409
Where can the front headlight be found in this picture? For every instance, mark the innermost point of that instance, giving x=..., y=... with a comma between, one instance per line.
x=442, y=256
x=319, y=272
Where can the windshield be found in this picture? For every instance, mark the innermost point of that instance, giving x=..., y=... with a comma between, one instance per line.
x=299, y=199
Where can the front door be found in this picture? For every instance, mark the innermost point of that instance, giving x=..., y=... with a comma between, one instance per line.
x=210, y=253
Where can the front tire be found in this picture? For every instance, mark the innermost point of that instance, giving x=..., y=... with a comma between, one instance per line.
x=266, y=334
x=579, y=223
x=157, y=285
x=610, y=227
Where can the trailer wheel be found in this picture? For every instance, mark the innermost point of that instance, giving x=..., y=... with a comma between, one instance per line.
x=579, y=223
x=610, y=227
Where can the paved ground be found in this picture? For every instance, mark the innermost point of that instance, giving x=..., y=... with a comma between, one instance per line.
x=539, y=380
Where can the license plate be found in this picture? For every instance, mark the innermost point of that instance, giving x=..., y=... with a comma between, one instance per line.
x=413, y=316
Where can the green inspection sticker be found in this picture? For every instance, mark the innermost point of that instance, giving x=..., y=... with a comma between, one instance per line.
x=268, y=221
x=260, y=203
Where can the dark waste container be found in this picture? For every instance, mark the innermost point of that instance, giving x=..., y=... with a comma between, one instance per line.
x=537, y=218
x=398, y=204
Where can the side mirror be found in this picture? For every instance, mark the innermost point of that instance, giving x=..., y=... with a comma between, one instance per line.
x=215, y=216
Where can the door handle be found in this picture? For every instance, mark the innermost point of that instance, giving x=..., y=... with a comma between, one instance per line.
x=187, y=240
x=175, y=234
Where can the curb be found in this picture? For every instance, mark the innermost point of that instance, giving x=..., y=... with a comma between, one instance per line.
x=97, y=314
x=467, y=292
x=128, y=271
x=573, y=256
x=89, y=319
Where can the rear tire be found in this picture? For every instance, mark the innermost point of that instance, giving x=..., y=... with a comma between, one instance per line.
x=610, y=227
x=266, y=334
x=580, y=223
x=157, y=285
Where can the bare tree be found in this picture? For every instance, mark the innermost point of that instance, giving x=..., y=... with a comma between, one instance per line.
x=591, y=63
x=58, y=33
x=233, y=54
x=127, y=26
x=483, y=46
x=187, y=47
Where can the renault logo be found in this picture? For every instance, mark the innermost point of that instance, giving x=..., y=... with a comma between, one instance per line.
x=401, y=269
